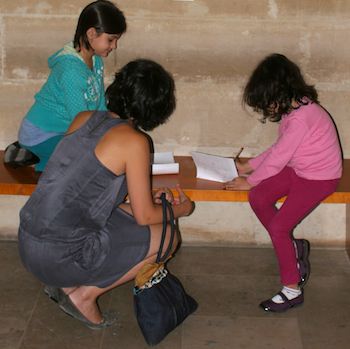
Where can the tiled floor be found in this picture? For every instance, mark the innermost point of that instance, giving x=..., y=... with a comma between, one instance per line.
x=228, y=283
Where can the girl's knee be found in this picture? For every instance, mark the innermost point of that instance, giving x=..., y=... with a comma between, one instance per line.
x=256, y=198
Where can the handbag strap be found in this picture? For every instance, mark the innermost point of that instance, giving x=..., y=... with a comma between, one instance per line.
x=166, y=207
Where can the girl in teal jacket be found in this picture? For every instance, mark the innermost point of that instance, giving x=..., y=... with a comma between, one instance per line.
x=75, y=83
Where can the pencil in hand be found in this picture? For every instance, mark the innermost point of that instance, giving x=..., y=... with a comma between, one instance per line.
x=238, y=154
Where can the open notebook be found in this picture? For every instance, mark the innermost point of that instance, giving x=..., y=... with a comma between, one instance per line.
x=214, y=168
x=164, y=163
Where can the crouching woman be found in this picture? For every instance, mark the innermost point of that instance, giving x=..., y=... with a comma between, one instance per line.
x=77, y=234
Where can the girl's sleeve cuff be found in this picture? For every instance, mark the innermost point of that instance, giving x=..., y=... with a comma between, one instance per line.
x=251, y=181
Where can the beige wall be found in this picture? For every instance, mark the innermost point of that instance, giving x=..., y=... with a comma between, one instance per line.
x=210, y=47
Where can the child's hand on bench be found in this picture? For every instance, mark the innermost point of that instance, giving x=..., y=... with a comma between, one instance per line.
x=239, y=183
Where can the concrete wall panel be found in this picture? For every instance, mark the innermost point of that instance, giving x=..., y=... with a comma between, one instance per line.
x=210, y=47
x=220, y=125
x=30, y=41
x=42, y=7
x=15, y=100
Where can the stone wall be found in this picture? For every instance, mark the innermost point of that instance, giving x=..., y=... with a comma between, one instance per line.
x=211, y=47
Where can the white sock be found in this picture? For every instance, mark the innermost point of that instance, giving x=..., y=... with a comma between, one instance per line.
x=290, y=293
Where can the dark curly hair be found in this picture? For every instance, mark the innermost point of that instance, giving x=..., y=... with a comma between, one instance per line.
x=102, y=15
x=144, y=92
x=275, y=84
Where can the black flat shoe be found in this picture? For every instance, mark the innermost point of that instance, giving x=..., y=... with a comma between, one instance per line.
x=70, y=309
x=53, y=293
x=271, y=306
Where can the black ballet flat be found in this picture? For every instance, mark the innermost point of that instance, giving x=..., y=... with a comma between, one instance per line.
x=270, y=306
x=53, y=293
x=69, y=308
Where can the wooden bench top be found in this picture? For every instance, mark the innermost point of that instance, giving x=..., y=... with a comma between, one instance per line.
x=22, y=181
x=203, y=190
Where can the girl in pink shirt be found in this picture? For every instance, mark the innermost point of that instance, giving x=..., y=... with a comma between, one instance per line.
x=304, y=165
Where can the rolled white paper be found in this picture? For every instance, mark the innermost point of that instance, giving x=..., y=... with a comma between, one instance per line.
x=159, y=169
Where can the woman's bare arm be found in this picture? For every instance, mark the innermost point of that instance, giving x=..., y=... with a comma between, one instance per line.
x=125, y=150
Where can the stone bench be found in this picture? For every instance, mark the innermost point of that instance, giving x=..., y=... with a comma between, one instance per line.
x=22, y=181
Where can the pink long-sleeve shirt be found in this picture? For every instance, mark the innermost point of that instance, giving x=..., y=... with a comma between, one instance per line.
x=307, y=142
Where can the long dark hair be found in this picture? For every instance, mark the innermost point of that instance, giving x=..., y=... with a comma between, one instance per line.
x=274, y=85
x=144, y=92
x=102, y=15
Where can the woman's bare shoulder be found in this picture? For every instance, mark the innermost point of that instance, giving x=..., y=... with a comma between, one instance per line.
x=125, y=135
x=120, y=145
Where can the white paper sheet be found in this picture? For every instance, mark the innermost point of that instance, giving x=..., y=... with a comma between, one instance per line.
x=164, y=163
x=214, y=168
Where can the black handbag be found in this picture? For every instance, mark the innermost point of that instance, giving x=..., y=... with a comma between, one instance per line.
x=160, y=301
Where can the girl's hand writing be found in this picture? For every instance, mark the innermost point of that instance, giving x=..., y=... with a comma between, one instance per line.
x=243, y=166
x=239, y=183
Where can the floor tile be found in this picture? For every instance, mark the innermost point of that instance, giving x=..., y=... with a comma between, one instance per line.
x=227, y=282
x=51, y=328
x=18, y=294
x=128, y=335
x=220, y=332
x=224, y=260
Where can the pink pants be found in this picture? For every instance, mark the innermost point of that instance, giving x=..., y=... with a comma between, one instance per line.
x=302, y=196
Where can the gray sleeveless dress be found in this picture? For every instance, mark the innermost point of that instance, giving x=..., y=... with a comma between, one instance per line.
x=72, y=231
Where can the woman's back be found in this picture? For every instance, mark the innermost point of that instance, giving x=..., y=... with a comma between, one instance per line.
x=76, y=189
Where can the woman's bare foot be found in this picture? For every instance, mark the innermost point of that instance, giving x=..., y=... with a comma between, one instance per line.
x=86, y=304
x=69, y=290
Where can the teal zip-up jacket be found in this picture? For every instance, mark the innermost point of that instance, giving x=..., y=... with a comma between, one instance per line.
x=71, y=87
